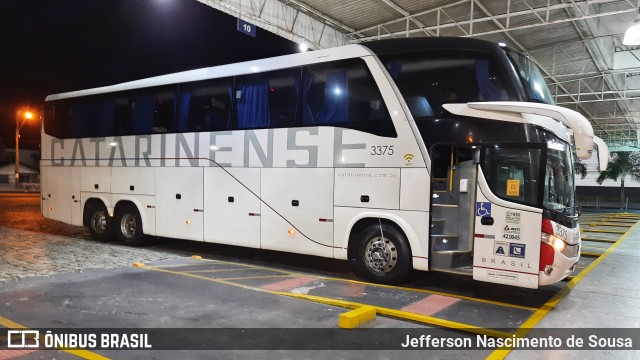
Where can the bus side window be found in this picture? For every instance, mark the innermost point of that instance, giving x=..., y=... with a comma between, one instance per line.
x=56, y=118
x=205, y=105
x=267, y=100
x=142, y=108
x=122, y=116
x=343, y=93
x=164, y=112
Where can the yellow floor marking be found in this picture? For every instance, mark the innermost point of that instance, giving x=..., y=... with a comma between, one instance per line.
x=590, y=254
x=79, y=353
x=350, y=305
x=262, y=277
x=374, y=284
x=600, y=240
x=401, y=314
x=607, y=224
x=250, y=266
x=217, y=270
x=603, y=231
x=432, y=292
x=549, y=305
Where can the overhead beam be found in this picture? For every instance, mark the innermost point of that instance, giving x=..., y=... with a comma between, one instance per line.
x=291, y=19
x=542, y=13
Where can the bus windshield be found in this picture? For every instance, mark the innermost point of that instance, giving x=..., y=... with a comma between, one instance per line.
x=559, y=178
x=532, y=80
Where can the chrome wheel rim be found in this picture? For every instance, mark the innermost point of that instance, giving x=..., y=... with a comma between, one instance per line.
x=128, y=226
x=98, y=222
x=381, y=255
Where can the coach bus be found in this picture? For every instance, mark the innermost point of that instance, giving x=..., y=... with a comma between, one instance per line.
x=439, y=154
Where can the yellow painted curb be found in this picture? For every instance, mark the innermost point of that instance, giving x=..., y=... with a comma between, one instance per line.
x=198, y=257
x=138, y=265
x=354, y=318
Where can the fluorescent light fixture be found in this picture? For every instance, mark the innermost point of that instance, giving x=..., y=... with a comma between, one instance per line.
x=632, y=35
x=502, y=44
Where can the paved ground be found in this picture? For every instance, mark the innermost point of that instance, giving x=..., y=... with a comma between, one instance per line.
x=55, y=275
x=25, y=253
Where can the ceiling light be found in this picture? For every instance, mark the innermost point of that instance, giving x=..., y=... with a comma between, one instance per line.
x=632, y=36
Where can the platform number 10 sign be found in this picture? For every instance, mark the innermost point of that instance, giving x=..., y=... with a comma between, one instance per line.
x=246, y=28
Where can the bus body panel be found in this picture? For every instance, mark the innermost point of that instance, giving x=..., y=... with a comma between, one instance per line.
x=133, y=180
x=368, y=188
x=415, y=187
x=95, y=179
x=508, y=250
x=179, y=204
x=297, y=210
x=56, y=193
x=232, y=206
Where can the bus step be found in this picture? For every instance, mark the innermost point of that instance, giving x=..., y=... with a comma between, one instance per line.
x=451, y=252
x=462, y=270
x=444, y=242
x=446, y=205
x=450, y=260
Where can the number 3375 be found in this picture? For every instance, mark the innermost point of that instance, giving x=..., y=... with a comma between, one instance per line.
x=381, y=150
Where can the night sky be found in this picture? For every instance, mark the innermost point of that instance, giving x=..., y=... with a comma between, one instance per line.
x=63, y=45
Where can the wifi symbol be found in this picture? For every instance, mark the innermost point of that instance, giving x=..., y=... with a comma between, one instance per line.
x=408, y=158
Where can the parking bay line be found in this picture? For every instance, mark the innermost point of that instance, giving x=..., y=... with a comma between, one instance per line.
x=293, y=273
x=85, y=354
x=349, y=305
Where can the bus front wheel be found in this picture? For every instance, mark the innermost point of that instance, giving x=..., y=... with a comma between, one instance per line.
x=128, y=226
x=383, y=255
x=100, y=223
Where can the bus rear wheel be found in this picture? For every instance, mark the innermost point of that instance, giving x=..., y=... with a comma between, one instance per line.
x=100, y=223
x=128, y=226
x=383, y=255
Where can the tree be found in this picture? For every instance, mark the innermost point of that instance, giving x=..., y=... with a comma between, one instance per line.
x=580, y=169
x=620, y=165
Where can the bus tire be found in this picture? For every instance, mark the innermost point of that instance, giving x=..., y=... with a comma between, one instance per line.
x=128, y=226
x=385, y=260
x=100, y=223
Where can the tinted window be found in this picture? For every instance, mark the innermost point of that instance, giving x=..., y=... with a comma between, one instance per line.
x=427, y=81
x=513, y=172
x=343, y=93
x=267, y=100
x=56, y=118
x=205, y=105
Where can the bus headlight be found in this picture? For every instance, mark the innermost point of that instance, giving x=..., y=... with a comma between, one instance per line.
x=557, y=243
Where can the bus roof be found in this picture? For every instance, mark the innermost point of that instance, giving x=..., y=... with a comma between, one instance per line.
x=242, y=68
x=395, y=46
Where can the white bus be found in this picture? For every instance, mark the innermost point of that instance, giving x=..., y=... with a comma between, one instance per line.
x=443, y=154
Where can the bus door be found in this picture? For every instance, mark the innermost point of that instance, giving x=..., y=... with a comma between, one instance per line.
x=453, y=193
x=507, y=228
